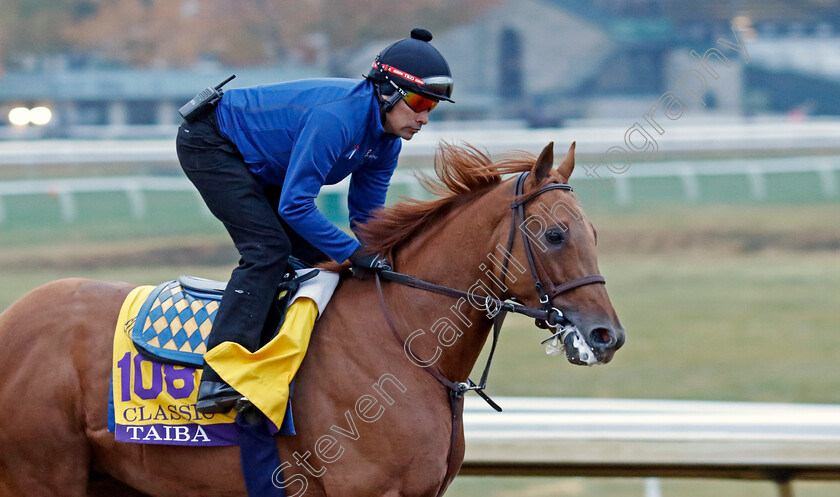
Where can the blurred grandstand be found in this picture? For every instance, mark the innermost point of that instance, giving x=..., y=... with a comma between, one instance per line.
x=532, y=63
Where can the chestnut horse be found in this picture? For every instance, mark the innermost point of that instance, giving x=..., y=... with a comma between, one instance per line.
x=370, y=418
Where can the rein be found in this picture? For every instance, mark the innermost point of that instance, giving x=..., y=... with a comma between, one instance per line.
x=546, y=316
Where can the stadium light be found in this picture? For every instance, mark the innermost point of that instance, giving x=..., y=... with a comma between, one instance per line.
x=40, y=116
x=20, y=116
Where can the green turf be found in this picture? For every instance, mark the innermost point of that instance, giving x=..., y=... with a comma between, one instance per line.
x=33, y=219
x=759, y=328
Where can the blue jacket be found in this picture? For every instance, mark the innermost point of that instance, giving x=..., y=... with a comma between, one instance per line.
x=305, y=134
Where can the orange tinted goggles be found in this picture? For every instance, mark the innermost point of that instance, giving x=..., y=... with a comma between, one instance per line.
x=417, y=102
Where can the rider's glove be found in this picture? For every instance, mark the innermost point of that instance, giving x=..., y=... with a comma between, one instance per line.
x=365, y=264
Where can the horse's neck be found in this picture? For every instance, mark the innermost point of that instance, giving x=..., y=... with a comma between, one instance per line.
x=450, y=252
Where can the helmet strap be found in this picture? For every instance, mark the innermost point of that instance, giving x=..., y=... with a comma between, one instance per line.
x=388, y=103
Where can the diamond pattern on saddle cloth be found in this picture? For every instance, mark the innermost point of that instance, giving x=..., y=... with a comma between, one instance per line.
x=174, y=323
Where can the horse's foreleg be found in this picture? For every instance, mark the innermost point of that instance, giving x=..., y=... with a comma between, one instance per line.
x=43, y=456
x=48, y=351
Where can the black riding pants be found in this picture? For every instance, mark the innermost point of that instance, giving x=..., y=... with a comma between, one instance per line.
x=248, y=211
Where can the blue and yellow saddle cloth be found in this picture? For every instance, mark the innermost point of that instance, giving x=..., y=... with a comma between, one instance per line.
x=174, y=322
x=153, y=393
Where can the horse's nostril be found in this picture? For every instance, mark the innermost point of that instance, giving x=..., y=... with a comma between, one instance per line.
x=601, y=336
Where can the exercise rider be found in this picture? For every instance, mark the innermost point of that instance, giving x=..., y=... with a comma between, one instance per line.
x=259, y=156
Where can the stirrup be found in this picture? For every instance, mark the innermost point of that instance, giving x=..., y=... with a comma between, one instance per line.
x=249, y=412
x=216, y=397
x=216, y=406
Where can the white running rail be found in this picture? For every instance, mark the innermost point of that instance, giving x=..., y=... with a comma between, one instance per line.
x=653, y=438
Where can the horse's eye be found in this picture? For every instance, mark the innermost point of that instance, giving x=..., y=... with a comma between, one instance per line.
x=554, y=236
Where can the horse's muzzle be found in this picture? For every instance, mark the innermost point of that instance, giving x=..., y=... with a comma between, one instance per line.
x=604, y=341
x=590, y=344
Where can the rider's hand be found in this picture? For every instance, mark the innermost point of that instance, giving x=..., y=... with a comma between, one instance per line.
x=365, y=264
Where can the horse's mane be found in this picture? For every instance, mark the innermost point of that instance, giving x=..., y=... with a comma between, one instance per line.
x=464, y=173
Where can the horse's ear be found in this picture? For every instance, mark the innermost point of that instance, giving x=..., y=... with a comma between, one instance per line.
x=565, y=168
x=544, y=164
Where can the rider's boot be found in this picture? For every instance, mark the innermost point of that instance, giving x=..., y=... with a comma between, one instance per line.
x=214, y=394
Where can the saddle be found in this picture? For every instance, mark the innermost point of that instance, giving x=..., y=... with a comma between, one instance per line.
x=174, y=322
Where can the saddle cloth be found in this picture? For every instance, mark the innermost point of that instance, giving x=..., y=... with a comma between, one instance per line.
x=153, y=399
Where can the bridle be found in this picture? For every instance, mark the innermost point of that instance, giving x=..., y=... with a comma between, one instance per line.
x=546, y=315
x=518, y=207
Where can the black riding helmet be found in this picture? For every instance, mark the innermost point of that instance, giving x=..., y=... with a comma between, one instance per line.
x=413, y=65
